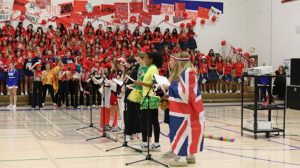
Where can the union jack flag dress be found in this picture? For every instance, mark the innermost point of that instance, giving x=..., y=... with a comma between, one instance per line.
x=187, y=119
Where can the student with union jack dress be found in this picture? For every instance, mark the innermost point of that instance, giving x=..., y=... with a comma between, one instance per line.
x=187, y=118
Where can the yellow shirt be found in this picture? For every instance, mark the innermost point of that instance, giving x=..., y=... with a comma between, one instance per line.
x=48, y=78
x=148, y=78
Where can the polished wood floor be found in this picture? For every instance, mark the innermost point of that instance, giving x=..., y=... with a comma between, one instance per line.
x=48, y=139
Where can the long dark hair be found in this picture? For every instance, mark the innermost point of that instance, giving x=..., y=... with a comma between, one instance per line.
x=157, y=58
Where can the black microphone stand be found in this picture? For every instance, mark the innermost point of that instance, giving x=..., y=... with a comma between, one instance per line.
x=125, y=143
x=148, y=156
x=104, y=135
x=91, y=125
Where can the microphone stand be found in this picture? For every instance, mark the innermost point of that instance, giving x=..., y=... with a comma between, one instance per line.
x=148, y=156
x=91, y=125
x=125, y=143
x=104, y=135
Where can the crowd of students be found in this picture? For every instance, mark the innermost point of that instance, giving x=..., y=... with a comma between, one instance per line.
x=74, y=53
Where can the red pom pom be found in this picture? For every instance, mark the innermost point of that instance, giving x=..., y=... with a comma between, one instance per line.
x=214, y=18
x=188, y=25
x=133, y=19
x=193, y=22
x=202, y=21
x=239, y=50
x=246, y=54
x=223, y=43
x=44, y=22
x=182, y=25
x=22, y=18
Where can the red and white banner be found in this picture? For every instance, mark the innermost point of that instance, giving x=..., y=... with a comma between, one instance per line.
x=167, y=9
x=136, y=7
x=145, y=18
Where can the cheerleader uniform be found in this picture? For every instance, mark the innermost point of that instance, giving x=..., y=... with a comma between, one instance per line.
x=220, y=67
x=37, y=90
x=85, y=87
x=183, y=41
x=12, y=79
x=227, y=73
x=191, y=40
x=28, y=63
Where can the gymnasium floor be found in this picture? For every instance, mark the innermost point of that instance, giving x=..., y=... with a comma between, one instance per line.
x=48, y=139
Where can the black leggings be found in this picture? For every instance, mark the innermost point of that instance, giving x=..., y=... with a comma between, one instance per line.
x=87, y=96
x=96, y=95
x=63, y=93
x=37, y=94
x=150, y=117
x=132, y=118
x=73, y=87
x=50, y=90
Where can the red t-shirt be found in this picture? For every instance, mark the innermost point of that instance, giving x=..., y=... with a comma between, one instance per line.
x=238, y=69
x=204, y=68
x=220, y=66
x=228, y=69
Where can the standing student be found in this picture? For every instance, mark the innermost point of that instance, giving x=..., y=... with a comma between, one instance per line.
x=228, y=75
x=47, y=79
x=28, y=74
x=203, y=74
x=279, y=83
x=63, y=92
x=12, y=85
x=220, y=71
x=3, y=71
x=189, y=120
x=37, y=86
x=84, y=86
x=73, y=86
x=212, y=75
x=238, y=71
x=150, y=116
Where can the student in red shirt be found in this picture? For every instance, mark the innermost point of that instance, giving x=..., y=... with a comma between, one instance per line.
x=183, y=39
x=175, y=38
x=3, y=71
x=228, y=75
x=212, y=75
x=203, y=71
x=220, y=71
x=238, y=72
x=19, y=66
x=84, y=86
x=168, y=38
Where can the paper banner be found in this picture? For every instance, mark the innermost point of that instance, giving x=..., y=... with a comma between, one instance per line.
x=79, y=5
x=154, y=9
x=20, y=5
x=178, y=19
x=179, y=9
x=76, y=18
x=167, y=9
x=53, y=11
x=191, y=14
x=146, y=3
x=96, y=12
x=66, y=21
x=33, y=17
x=145, y=18
x=107, y=9
x=121, y=16
x=121, y=7
x=203, y=13
x=214, y=11
x=43, y=3
x=136, y=7
x=5, y=13
x=66, y=8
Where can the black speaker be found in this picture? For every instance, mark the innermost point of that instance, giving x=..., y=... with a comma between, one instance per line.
x=295, y=71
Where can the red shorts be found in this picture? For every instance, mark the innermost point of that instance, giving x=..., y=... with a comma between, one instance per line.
x=113, y=99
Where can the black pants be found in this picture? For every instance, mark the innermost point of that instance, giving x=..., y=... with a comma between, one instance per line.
x=73, y=87
x=132, y=118
x=63, y=93
x=37, y=94
x=50, y=90
x=150, y=117
x=96, y=95
x=87, y=96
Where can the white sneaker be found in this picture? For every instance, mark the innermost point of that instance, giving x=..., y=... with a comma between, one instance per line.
x=1, y=94
x=213, y=91
x=226, y=91
x=221, y=91
x=230, y=91
x=168, y=154
x=22, y=93
x=9, y=106
x=217, y=91
x=210, y=91
x=142, y=147
x=26, y=93
x=155, y=147
x=14, y=106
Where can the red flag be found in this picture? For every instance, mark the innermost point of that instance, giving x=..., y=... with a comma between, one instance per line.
x=154, y=9
x=76, y=18
x=203, y=13
x=136, y=7
x=64, y=20
x=179, y=9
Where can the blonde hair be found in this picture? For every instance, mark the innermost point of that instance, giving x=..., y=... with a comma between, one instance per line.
x=180, y=66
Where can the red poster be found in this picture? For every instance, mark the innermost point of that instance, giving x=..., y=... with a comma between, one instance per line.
x=76, y=18
x=96, y=12
x=179, y=9
x=107, y=9
x=64, y=20
x=121, y=16
x=79, y=5
x=203, y=13
x=66, y=8
x=145, y=18
x=154, y=9
x=136, y=7
x=20, y=5
x=121, y=8
x=167, y=9
x=191, y=14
